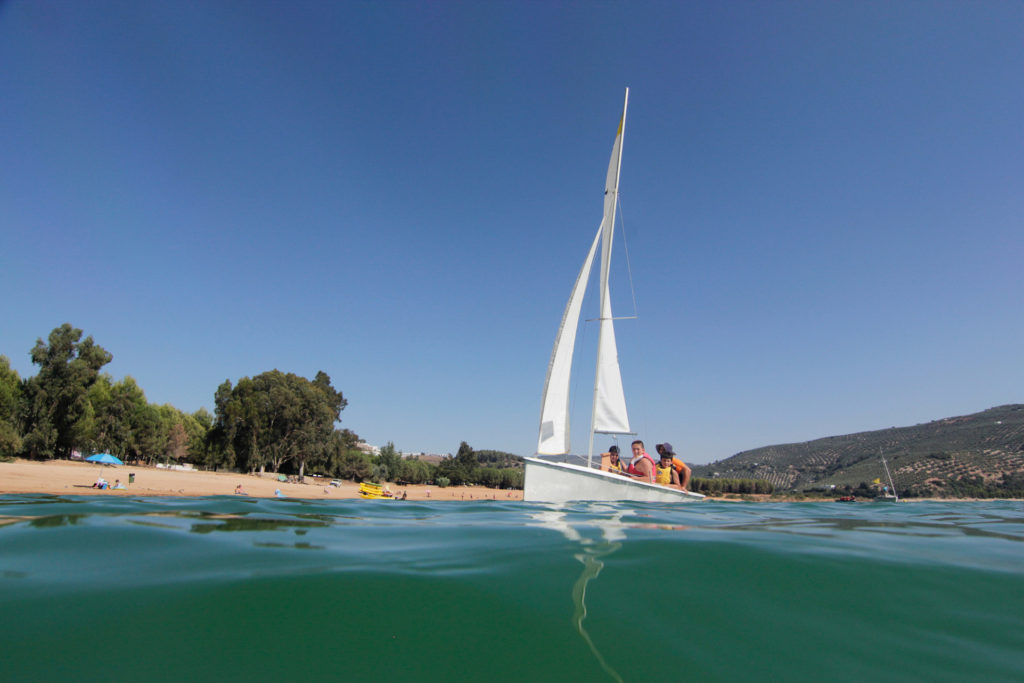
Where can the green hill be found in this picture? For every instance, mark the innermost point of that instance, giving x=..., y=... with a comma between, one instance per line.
x=973, y=455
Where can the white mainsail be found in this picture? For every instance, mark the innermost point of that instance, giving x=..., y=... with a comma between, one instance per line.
x=554, y=411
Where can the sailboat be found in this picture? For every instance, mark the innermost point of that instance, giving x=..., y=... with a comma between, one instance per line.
x=887, y=497
x=555, y=482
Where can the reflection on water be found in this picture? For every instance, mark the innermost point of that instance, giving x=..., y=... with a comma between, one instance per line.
x=296, y=546
x=56, y=520
x=593, y=550
x=904, y=527
x=237, y=523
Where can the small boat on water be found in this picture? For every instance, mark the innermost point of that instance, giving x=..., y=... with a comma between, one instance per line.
x=555, y=482
x=888, y=497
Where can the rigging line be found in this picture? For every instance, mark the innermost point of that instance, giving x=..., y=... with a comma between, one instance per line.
x=625, y=248
x=636, y=312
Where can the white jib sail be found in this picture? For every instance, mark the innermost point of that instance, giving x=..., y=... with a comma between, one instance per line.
x=554, y=410
x=609, y=400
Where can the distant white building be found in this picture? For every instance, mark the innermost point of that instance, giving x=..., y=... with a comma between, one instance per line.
x=375, y=450
x=367, y=448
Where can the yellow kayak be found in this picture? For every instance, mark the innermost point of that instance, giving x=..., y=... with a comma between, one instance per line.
x=374, y=491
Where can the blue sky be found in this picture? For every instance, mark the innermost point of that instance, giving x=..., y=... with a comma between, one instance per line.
x=822, y=204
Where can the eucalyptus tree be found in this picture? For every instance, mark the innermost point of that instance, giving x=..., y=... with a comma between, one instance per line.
x=11, y=408
x=116, y=406
x=229, y=425
x=276, y=418
x=148, y=433
x=390, y=462
x=462, y=469
x=197, y=428
x=58, y=394
x=415, y=471
x=346, y=461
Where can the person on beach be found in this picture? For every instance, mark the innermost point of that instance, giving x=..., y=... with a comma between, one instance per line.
x=101, y=483
x=118, y=485
x=680, y=470
x=239, y=491
x=610, y=461
x=642, y=466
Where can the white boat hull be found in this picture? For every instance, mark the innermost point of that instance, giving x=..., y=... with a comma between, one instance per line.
x=559, y=482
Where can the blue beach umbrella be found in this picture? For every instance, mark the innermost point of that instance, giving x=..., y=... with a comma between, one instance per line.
x=105, y=458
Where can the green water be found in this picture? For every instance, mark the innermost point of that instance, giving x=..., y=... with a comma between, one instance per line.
x=226, y=589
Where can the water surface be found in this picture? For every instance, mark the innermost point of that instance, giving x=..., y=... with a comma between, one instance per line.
x=228, y=588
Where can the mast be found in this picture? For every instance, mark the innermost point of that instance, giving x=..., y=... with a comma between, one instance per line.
x=612, y=187
x=889, y=476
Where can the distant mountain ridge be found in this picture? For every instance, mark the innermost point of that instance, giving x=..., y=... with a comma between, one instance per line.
x=951, y=455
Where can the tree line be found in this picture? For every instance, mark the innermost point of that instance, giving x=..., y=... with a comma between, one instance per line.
x=273, y=421
x=1007, y=485
x=716, y=485
x=464, y=468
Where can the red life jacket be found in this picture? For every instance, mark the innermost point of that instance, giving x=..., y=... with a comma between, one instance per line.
x=634, y=470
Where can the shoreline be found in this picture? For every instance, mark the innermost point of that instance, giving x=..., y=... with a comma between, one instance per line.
x=75, y=478
x=70, y=477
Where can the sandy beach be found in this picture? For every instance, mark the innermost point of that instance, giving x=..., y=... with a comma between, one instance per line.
x=71, y=478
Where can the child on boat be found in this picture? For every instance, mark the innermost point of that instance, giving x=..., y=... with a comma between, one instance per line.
x=671, y=470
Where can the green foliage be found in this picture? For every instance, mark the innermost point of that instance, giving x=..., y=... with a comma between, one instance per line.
x=722, y=485
x=388, y=463
x=276, y=418
x=356, y=466
x=11, y=410
x=177, y=442
x=147, y=437
x=500, y=470
x=273, y=419
x=498, y=459
x=937, y=458
x=443, y=482
x=462, y=469
x=1007, y=485
x=197, y=427
x=415, y=471
x=344, y=460
x=57, y=397
x=500, y=478
x=115, y=407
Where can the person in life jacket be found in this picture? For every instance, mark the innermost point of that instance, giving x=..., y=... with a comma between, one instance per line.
x=610, y=461
x=680, y=472
x=642, y=466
